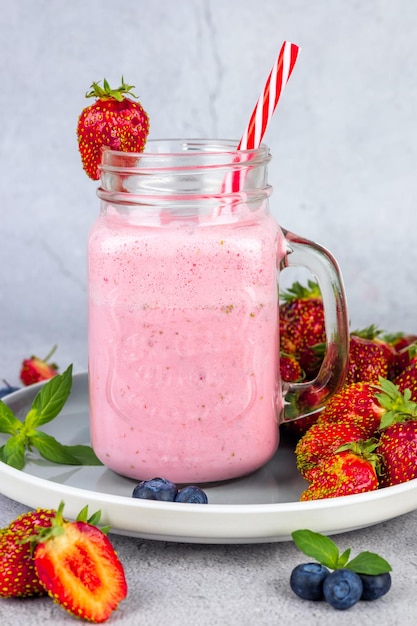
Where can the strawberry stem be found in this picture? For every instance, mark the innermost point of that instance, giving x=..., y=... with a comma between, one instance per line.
x=50, y=353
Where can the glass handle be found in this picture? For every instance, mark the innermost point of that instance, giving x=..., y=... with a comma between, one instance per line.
x=302, y=399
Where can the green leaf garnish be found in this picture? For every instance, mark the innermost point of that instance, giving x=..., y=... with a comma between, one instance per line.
x=325, y=551
x=25, y=435
x=51, y=449
x=8, y=422
x=13, y=452
x=369, y=563
x=50, y=400
x=318, y=547
x=84, y=454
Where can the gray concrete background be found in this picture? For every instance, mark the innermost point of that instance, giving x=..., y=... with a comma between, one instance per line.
x=344, y=139
x=344, y=144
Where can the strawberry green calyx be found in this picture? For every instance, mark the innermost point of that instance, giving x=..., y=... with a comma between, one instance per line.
x=58, y=522
x=106, y=92
x=297, y=291
x=370, y=332
x=398, y=406
x=365, y=450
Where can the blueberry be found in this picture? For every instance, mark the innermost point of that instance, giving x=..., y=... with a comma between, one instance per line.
x=342, y=588
x=4, y=391
x=155, y=489
x=375, y=586
x=191, y=494
x=307, y=579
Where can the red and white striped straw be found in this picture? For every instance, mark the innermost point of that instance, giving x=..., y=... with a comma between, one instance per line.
x=268, y=100
x=264, y=110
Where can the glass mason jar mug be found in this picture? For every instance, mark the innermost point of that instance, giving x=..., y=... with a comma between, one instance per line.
x=184, y=376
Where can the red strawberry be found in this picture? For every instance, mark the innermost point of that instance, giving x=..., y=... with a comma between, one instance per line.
x=290, y=369
x=18, y=576
x=301, y=323
x=356, y=404
x=398, y=448
x=369, y=356
x=299, y=427
x=79, y=568
x=342, y=474
x=113, y=121
x=321, y=441
x=405, y=351
x=351, y=415
x=34, y=370
x=408, y=380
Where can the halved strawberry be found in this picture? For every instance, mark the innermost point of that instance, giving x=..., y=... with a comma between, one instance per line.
x=79, y=568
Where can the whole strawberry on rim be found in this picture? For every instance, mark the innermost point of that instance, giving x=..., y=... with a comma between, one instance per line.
x=113, y=121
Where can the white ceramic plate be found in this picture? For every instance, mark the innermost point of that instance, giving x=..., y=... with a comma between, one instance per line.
x=262, y=507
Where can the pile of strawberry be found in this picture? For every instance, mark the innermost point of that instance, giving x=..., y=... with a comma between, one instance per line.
x=366, y=436
x=73, y=562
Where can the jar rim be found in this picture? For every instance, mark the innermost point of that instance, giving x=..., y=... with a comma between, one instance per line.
x=186, y=145
x=185, y=168
x=169, y=154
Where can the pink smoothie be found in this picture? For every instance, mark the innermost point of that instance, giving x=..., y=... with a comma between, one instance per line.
x=183, y=347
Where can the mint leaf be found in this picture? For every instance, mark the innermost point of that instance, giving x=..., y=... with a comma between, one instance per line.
x=8, y=422
x=369, y=563
x=46, y=405
x=13, y=452
x=317, y=546
x=343, y=558
x=84, y=454
x=325, y=551
x=52, y=450
x=50, y=399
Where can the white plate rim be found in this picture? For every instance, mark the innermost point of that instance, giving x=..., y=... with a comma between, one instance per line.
x=211, y=523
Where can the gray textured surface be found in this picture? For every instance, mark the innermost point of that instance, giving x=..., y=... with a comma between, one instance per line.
x=344, y=142
x=236, y=585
